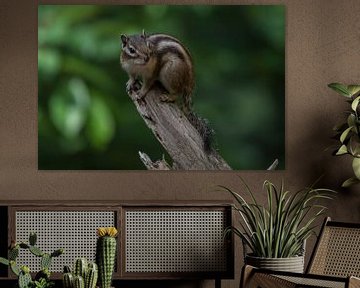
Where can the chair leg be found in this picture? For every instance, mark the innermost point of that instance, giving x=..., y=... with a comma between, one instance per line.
x=217, y=283
x=354, y=282
x=246, y=274
x=250, y=278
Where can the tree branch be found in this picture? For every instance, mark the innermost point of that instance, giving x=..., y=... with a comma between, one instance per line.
x=176, y=134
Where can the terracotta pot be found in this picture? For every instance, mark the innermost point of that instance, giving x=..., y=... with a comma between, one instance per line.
x=291, y=264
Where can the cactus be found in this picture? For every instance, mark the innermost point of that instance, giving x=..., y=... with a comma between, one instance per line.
x=25, y=269
x=32, y=239
x=80, y=267
x=90, y=272
x=79, y=282
x=36, y=251
x=24, y=277
x=67, y=269
x=45, y=261
x=13, y=253
x=57, y=252
x=24, y=245
x=68, y=280
x=24, y=280
x=42, y=278
x=91, y=276
x=105, y=254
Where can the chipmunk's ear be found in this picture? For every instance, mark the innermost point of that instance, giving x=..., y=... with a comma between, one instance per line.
x=143, y=35
x=149, y=44
x=124, y=39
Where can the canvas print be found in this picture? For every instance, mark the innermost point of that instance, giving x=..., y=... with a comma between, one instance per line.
x=161, y=87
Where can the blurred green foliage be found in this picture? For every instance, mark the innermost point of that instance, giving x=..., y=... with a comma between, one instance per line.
x=87, y=121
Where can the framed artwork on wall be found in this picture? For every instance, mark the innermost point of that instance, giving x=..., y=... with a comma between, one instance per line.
x=87, y=121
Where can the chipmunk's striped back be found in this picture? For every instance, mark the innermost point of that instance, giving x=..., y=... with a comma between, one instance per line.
x=169, y=48
x=167, y=44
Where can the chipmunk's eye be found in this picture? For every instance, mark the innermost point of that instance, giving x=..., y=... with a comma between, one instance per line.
x=132, y=50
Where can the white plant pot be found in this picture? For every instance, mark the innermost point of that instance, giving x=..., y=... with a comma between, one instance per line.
x=291, y=264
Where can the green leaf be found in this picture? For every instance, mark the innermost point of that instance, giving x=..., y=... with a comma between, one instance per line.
x=100, y=126
x=354, y=145
x=88, y=71
x=349, y=182
x=68, y=108
x=356, y=167
x=355, y=103
x=14, y=268
x=4, y=261
x=280, y=228
x=342, y=150
x=49, y=63
x=340, y=88
x=351, y=120
x=353, y=89
x=345, y=134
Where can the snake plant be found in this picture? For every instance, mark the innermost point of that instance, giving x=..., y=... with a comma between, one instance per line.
x=279, y=228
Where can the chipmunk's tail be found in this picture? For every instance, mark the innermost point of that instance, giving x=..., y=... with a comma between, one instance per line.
x=203, y=127
x=201, y=124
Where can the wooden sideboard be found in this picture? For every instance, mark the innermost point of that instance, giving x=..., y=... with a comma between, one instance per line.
x=157, y=240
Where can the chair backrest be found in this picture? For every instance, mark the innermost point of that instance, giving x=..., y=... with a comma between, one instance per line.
x=337, y=251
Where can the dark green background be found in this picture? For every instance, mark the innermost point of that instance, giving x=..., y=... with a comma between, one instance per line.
x=87, y=121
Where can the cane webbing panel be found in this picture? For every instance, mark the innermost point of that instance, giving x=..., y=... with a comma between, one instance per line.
x=268, y=280
x=75, y=231
x=338, y=252
x=175, y=241
x=300, y=282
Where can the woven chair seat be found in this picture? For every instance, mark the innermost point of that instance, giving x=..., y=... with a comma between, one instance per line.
x=314, y=282
x=335, y=262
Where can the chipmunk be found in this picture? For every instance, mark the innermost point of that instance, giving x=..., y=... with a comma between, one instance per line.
x=163, y=58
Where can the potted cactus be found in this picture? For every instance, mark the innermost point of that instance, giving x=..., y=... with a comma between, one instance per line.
x=42, y=278
x=106, y=254
x=84, y=275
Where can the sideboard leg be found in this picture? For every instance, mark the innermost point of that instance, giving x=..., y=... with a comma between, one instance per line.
x=217, y=283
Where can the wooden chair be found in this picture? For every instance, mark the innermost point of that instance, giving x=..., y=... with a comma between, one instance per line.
x=334, y=263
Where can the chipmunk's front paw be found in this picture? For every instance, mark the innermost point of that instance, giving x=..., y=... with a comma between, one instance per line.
x=129, y=86
x=133, y=86
x=167, y=98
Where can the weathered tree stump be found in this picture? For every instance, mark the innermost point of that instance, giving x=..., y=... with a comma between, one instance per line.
x=176, y=134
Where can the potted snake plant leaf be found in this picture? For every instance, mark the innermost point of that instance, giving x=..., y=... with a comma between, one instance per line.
x=348, y=133
x=274, y=235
